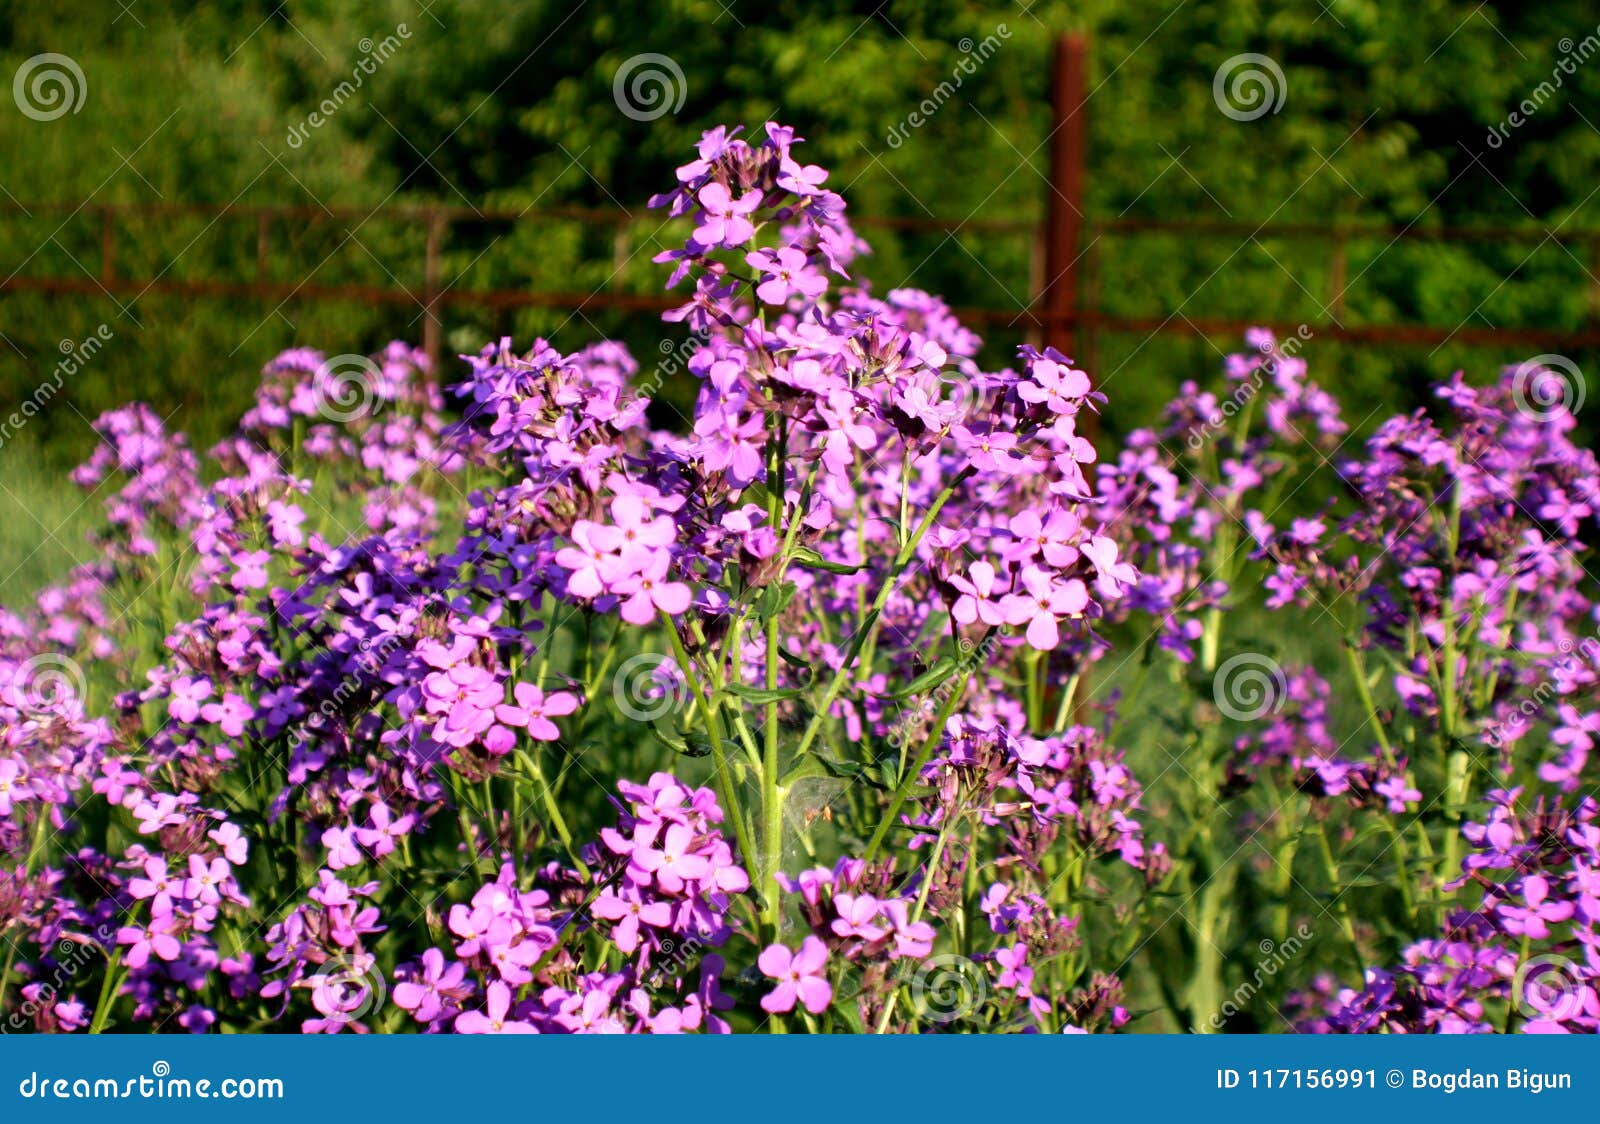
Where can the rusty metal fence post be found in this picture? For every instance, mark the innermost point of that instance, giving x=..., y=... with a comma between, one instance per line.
x=1064, y=326
x=432, y=333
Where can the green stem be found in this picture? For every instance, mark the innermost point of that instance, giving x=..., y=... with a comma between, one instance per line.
x=869, y=625
x=1358, y=673
x=1069, y=695
x=903, y=789
x=730, y=794
x=771, y=793
x=1331, y=867
x=1035, y=690
x=552, y=808
x=102, y=1007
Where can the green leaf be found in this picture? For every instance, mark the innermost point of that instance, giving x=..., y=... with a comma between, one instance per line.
x=696, y=745
x=764, y=695
x=819, y=765
x=807, y=669
x=774, y=599
x=944, y=668
x=809, y=558
x=684, y=743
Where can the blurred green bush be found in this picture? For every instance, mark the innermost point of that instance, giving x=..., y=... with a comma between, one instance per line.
x=1385, y=118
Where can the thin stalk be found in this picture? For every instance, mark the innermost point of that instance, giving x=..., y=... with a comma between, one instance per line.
x=730, y=794
x=909, y=778
x=552, y=808
x=1331, y=867
x=1035, y=690
x=102, y=1006
x=771, y=793
x=870, y=623
x=1358, y=673
x=1068, y=696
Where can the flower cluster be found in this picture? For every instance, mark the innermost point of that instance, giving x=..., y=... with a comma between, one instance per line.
x=1526, y=957
x=336, y=732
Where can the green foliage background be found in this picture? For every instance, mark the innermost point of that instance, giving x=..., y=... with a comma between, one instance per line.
x=1385, y=120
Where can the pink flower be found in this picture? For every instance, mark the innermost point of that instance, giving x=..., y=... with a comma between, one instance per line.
x=993, y=451
x=638, y=531
x=1052, y=537
x=494, y=1020
x=231, y=714
x=534, y=709
x=976, y=602
x=629, y=912
x=187, y=693
x=385, y=829
x=674, y=862
x=856, y=914
x=1045, y=600
x=1061, y=387
x=156, y=883
x=251, y=572
x=648, y=590
x=206, y=879
x=1111, y=575
x=342, y=849
x=12, y=786
x=724, y=222
x=800, y=977
x=235, y=847
x=590, y=561
x=787, y=271
x=154, y=938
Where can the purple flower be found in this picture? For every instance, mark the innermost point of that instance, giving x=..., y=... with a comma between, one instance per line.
x=856, y=914
x=13, y=787
x=495, y=1019
x=630, y=910
x=1042, y=602
x=786, y=271
x=800, y=975
x=534, y=709
x=724, y=221
x=427, y=994
x=675, y=861
x=152, y=938
x=185, y=698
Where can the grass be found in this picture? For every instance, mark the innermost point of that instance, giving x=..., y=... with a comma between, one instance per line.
x=44, y=518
